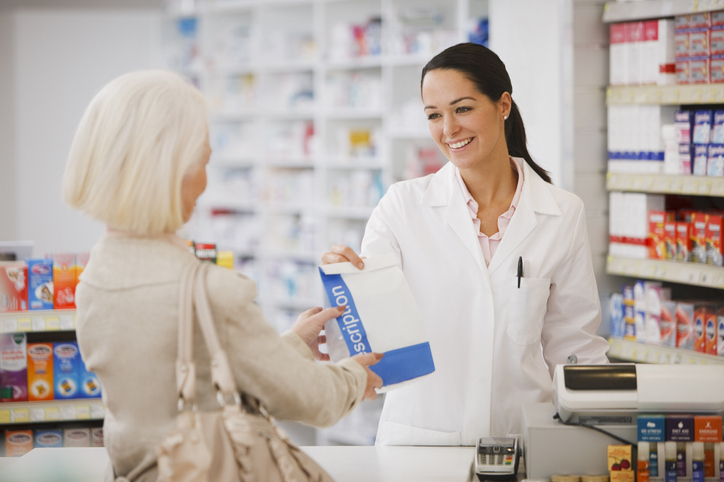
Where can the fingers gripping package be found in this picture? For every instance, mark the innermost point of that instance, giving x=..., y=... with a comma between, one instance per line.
x=381, y=316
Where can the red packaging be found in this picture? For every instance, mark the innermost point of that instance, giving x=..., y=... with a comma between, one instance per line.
x=699, y=44
x=716, y=65
x=698, y=237
x=710, y=332
x=670, y=239
x=683, y=241
x=205, y=251
x=682, y=71
x=699, y=20
x=707, y=428
x=713, y=240
x=681, y=45
x=699, y=70
x=13, y=286
x=716, y=38
x=700, y=316
x=64, y=280
x=656, y=240
x=684, y=325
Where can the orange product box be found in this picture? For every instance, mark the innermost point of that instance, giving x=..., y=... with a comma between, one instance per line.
x=64, y=280
x=710, y=332
x=713, y=240
x=683, y=241
x=707, y=428
x=702, y=311
x=698, y=237
x=622, y=476
x=13, y=286
x=40, y=372
x=18, y=442
x=619, y=458
x=670, y=239
x=657, y=235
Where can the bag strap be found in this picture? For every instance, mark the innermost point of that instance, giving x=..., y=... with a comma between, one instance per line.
x=185, y=366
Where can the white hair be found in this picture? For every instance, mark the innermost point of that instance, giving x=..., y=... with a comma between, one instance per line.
x=135, y=142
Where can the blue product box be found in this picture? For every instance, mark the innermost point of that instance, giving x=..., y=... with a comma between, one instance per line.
x=683, y=125
x=47, y=438
x=715, y=163
x=651, y=428
x=90, y=387
x=703, y=120
x=701, y=158
x=40, y=283
x=717, y=129
x=66, y=368
x=616, y=315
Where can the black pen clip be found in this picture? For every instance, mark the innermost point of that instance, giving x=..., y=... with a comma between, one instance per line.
x=520, y=269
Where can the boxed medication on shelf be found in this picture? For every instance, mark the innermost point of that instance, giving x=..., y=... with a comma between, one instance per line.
x=698, y=237
x=66, y=365
x=40, y=372
x=13, y=286
x=685, y=325
x=658, y=332
x=683, y=241
x=40, y=284
x=656, y=238
x=48, y=438
x=700, y=160
x=13, y=367
x=701, y=129
x=18, y=442
x=710, y=334
x=76, y=437
x=618, y=52
x=716, y=68
x=616, y=315
x=670, y=240
x=64, y=280
x=715, y=161
x=717, y=129
x=714, y=249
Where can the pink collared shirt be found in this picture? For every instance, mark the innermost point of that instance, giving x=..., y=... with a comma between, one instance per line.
x=490, y=243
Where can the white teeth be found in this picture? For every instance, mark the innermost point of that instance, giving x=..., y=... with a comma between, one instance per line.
x=460, y=144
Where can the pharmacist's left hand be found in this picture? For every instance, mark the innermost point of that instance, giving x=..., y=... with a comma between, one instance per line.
x=310, y=323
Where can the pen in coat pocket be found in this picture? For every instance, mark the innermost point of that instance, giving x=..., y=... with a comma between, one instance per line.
x=520, y=269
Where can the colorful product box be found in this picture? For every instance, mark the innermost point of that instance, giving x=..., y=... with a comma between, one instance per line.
x=680, y=428
x=48, y=438
x=66, y=367
x=90, y=386
x=622, y=476
x=64, y=281
x=667, y=323
x=699, y=43
x=699, y=69
x=716, y=39
x=651, y=428
x=97, y=437
x=717, y=19
x=206, y=252
x=655, y=298
x=13, y=368
x=225, y=259
x=681, y=45
x=40, y=283
x=720, y=337
x=715, y=161
x=616, y=309
x=686, y=156
x=40, y=371
x=13, y=286
x=685, y=325
x=707, y=428
x=682, y=71
x=714, y=252
x=699, y=20
x=681, y=22
x=703, y=121
x=716, y=67
x=701, y=159
x=670, y=239
x=76, y=437
x=698, y=237
x=700, y=315
x=657, y=235
x=18, y=442
x=683, y=241
x=629, y=317
x=619, y=458
x=710, y=333
x=683, y=126
x=717, y=130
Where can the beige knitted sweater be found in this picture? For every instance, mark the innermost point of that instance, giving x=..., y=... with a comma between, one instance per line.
x=127, y=302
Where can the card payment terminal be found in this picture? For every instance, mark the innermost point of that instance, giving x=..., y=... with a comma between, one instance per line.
x=496, y=458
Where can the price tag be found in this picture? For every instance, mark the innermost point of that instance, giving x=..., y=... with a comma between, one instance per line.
x=676, y=358
x=694, y=7
x=24, y=324
x=665, y=358
x=52, y=323
x=67, y=412
x=82, y=412
x=67, y=322
x=4, y=416
x=706, y=278
x=705, y=187
x=52, y=413
x=37, y=414
x=717, y=280
x=10, y=325
x=654, y=356
x=692, y=277
x=660, y=272
x=97, y=411
x=677, y=185
x=38, y=323
x=20, y=415
x=643, y=354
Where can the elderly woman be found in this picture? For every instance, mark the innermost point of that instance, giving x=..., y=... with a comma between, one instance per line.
x=138, y=164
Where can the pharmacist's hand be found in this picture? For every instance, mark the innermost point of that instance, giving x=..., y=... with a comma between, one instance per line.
x=373, y=379
x=342, y=254
x=310, y=323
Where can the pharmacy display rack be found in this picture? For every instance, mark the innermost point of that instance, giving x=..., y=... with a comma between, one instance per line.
x=692, y=274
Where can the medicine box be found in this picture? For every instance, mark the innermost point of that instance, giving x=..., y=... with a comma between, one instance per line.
x=716, y=66
x=76, y=437
x=698, y=237
x=714, y=251
x=13, y=367
x=703, y=120
x=40, y=372
x=716, y=39
x=18, y=442
x=707, y=428
x=720, y=337
x=685, y=325
x=66, y=370
x=682, y=71
x=651, y=428
x=683, y=241
x=40, y=283
x=90, y=386
x=668, y=323
x=699, y=70
x=679, y=428
x=97, y=437
x=670, y=239
x=699, y=44
x=717, y=130
x=715, y=162
x=64, y=281
x=46, y=438
x=700, y=160
x=702, y=310
x=710, y=333
x=616, y=308
x=13, y=286
x=619, y=458
x=683, y=125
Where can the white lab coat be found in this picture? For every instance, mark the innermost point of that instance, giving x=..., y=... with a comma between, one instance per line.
x=494, y=345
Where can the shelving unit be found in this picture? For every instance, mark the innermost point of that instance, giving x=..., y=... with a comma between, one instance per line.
x=650, y=9
x=693, y=274
x=666, y=184
x=37, y=321
x=51, y=411
x=666, y=95
x=642, y=353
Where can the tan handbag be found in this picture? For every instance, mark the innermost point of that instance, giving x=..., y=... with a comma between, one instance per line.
x=238, y=442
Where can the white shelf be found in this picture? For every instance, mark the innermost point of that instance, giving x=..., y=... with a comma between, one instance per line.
x=355, y=63
x=211, y=7
x=353, y=114
x=51, y=411
x=629, y=11
x=666, y=95
x=37, y=321
x=362, y=213
x=666, y=184
x=694, y=274
x=289, y=254
x=401, y=134
x=288, y=164
x=643, y=353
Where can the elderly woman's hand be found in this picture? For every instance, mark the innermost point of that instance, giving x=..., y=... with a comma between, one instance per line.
x=310, y=323
x=342, y=254
x=373, y=379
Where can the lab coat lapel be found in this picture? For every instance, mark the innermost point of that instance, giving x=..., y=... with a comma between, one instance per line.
x=444, y=191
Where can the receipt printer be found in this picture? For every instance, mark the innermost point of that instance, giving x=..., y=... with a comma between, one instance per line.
x=616, y=393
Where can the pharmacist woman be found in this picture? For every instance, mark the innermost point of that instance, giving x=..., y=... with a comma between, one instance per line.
x=496, y=256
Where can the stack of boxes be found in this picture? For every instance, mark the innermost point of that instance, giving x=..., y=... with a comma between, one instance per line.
x=17, y=443
x=642, y=53
x=697, y=144
x=699, y=48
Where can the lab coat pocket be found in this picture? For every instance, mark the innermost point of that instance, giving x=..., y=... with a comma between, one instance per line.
x=527, y=309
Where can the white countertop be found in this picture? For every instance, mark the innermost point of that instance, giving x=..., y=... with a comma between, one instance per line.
x=344, y=464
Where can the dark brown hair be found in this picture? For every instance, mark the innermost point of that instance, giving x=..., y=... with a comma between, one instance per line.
x=485, y=69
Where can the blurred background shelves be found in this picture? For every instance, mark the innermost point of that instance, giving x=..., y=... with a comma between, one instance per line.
x=666, y=184
x=693, y=274
x=628, y=11
x=665, y=95
x=631, y=351
x=51, y=411
x=37, y=321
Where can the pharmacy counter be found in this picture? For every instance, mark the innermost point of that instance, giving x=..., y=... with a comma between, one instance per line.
x=344, y=464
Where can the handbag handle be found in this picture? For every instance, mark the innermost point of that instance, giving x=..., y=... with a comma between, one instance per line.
x=193, y=292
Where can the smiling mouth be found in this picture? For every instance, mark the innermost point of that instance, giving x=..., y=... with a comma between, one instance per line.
x=460, y=144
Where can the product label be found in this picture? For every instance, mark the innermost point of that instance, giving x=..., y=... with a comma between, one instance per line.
x=651, y=428
x=65, y=367
x=40, y=371
x=697, y=470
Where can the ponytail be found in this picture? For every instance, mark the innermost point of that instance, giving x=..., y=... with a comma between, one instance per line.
x=485, y=69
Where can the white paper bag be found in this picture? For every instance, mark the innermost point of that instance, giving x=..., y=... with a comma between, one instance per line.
x=381, y=316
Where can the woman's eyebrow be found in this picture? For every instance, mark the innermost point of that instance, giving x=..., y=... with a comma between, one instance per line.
x=451, y=103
